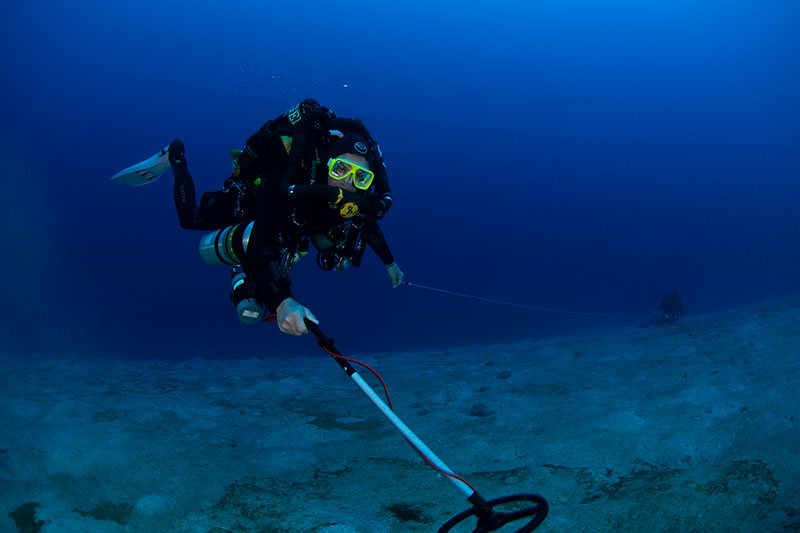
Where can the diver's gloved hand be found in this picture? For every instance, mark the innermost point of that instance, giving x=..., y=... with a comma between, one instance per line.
x=368, y=204
x=339, y=199
x=304, y=192
x=176, y=153
x=371, y=205
x=387, y=202
x=290, y=317
x=395, y=274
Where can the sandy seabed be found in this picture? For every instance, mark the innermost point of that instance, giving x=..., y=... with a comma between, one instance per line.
x=692, y=427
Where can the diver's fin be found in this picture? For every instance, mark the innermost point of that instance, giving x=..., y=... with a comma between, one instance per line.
x=145, y=172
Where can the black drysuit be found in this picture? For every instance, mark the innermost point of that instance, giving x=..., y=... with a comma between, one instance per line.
x=278, y=218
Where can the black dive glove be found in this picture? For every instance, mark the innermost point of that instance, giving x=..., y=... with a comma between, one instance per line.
x=386, y=201
x=375, y=207
x=344, y=201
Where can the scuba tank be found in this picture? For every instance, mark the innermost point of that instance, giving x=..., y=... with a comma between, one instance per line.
x=249, y=309
x=228, y=246
x=225, y=247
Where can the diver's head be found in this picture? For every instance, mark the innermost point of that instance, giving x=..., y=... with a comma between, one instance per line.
x=350, y=159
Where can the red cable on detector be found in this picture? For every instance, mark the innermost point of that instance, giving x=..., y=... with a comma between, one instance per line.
x=446, y=473
x=343, y=358
x=274, y=317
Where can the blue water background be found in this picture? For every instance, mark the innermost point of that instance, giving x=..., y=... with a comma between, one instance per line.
x=583, y=156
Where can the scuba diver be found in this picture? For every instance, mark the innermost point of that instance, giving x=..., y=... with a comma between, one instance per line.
x=670, y=311
x=306, y=177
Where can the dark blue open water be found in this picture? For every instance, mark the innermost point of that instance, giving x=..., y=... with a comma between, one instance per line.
x=574, y=155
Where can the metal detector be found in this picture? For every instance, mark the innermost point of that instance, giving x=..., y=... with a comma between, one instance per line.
x=488, y=518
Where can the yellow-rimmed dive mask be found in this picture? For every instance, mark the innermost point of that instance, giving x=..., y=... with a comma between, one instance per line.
x=339, y=168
